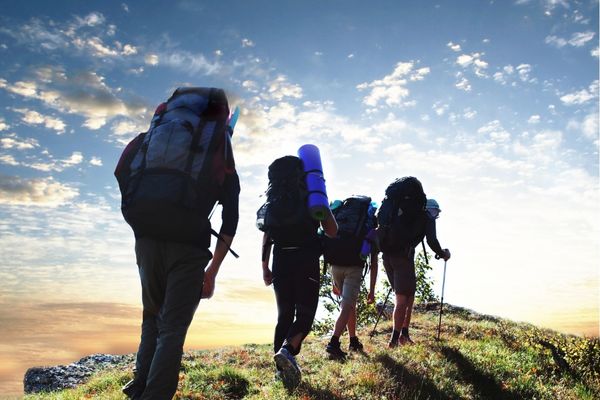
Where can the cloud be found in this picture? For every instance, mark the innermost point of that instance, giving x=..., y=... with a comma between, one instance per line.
x=82, y=33
x=578, y=39
x=509, y=73
x=454, y=46
x=279, y=88
x=463, y=84
x=12, y=141
x=495, y=131
x=92, y=19
x=191, y=63
x=151, y=59
x=469, y=113
x=534, y=119
x=392, y=90
x=247, y=43
x=3, y=125
x=581, y=96
x=96, y=161
x=595, y=52
x=75, y=159
x=474, y=61
x=588, y=126
x=523, y=71
x=581, y=38
x=42, y=192
x=32, y=117
x=84, y=94
x=440, y=108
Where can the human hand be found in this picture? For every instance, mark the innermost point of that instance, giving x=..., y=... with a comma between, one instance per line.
x=371, y=297
x=267, y=276
x=446, y=255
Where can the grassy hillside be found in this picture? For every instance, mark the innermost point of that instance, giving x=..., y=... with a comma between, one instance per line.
x=479, y=357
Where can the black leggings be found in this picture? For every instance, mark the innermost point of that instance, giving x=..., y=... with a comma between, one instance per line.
x=296, y=285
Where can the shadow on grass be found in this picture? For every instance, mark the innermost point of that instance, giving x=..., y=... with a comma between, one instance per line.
x=409, y=384
x=318, y=393
x=485, y=385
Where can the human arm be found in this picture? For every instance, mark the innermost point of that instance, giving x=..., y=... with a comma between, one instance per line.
x=210, y=274
x=432, y=241
x=229, y=217
x=266, y=254
x=329, y=225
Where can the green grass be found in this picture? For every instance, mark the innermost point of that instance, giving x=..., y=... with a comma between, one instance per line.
x=478, y=357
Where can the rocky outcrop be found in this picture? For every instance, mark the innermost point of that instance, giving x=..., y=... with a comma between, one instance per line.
x=45, y=379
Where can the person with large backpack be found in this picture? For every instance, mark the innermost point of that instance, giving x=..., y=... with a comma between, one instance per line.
x=403, y=224
x=347, y=254
x=171, y=178
x=292, y=233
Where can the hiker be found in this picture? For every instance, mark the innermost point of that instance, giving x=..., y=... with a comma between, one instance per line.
x=292, y=233
x=347, y=254
x=404, y=222
x=168, y=193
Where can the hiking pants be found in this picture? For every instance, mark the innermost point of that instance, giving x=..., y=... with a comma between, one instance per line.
x=172, y=275
x=296, y=284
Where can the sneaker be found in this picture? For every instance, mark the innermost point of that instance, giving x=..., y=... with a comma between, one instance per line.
x=335, y=351
x=405, y=340
x=355, y=344
x=286, y=364
x=133, y=389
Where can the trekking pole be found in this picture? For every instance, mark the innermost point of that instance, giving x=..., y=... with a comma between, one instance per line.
x=381, y=312
x=442, y=302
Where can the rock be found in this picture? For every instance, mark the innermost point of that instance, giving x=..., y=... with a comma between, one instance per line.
x=47, y=379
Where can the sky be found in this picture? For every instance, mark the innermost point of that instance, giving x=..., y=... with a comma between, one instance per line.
x=493, y=105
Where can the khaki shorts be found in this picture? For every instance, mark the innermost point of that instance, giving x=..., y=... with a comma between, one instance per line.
x=348, y=280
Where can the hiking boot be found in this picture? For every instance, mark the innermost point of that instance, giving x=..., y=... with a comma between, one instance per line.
x=405, y=340
x=335, y=351
x=392, y=344
x=355, y=344
x=133, y=389
x=286, y=364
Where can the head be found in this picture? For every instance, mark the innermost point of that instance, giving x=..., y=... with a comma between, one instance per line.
x=433, y=208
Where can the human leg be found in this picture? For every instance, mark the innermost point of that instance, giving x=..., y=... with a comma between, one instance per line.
x=184, y=277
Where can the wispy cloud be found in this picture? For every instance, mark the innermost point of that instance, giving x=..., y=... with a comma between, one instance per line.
x=247, y=43
x=43, y=192
x=578, y=39
x=12, y=141
x=473, y=61
x=32, y=117
x=392, y=89
x=3, y=125
x=582, y=96
x=84, y=94
x=495, y=131
x=454, y=46
x=279, y=88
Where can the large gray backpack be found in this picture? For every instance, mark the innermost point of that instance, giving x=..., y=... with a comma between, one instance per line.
x=172, y=175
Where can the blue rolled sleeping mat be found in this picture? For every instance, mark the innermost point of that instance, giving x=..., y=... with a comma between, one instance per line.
x=318, y=204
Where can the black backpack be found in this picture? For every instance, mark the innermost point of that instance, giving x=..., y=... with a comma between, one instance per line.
x=171, y=176
x=354, y=222
x=284, y=216
x=402, y=216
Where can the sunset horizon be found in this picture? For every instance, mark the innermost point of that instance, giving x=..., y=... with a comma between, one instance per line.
x=493, y=105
